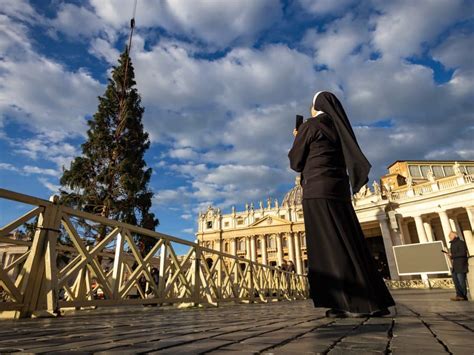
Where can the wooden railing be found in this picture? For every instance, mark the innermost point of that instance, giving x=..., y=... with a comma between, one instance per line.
x=61, y=266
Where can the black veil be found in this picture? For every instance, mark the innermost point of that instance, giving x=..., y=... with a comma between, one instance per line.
x=357, y=164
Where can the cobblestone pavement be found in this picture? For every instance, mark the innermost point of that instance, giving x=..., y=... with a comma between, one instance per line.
x=424, y=321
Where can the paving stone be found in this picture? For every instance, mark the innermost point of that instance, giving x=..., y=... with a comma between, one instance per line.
x=421, y=320
x=196, y=347
x=420, y=350
x=367, y=346
x=461, y=350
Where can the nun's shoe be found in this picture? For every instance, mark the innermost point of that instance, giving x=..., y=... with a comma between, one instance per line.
x=380, y=313
x=336, y=313
x=357, y=315
x=457, y=298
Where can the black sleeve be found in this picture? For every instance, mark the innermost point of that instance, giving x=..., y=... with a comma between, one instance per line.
x=299, y=152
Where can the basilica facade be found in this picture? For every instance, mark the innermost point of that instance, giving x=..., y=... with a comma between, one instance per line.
x=415, y=202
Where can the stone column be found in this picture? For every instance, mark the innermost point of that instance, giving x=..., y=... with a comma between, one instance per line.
x=470, y=246
x=299, y=265
x=218, y=245
x=388, y=245
x=233, y=246
x=247, y=247
x=397, y=236
x=453, y=221
x=428, y=230
x=469, y=238
x=420, y=230
x=470, y=215
x=279, y=249
x=422, y=238
x=253, y=249
x=264, y=250
x=443, y=216
x=291, y=247
x=405, y=232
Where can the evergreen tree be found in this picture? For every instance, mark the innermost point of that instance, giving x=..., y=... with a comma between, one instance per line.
x=111, y=178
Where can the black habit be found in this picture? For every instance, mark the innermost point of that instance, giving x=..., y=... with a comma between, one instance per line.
x=342, y=273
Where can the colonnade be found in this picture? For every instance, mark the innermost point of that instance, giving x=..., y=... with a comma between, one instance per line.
x=449, y=219
x=267, y=248
x=449, y=222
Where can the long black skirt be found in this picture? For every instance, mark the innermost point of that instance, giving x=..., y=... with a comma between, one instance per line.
x=342, y=273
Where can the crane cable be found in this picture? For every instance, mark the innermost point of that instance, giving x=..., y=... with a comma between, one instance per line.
x=122, y=119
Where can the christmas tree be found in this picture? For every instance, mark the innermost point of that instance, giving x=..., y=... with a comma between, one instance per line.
x=111, y=177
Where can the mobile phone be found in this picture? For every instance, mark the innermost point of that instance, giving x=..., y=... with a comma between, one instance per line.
x=299, y=121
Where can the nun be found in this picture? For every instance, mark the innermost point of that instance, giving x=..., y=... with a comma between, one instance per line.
x=342, y=273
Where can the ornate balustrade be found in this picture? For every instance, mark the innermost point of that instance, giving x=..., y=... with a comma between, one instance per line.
x=63, y=266
x=446, y=283
x=431, y=187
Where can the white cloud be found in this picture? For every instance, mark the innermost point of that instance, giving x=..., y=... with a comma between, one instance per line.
x=13, y=38
x=102, y=49
x=38, y=92
x=44, y=96
x=192, y=100
x=28, y=169
x=405, y=26
x=238, y=110
x=228, y=184
x=76, y=22
x=456, y=51
x=183, y=153
x=46, y=147
x=49, y=185
x=213, y=22
x=338, y=40
x=20, y=10
x=326, y=7
x=226, y=122
x=171, y=197
x=8, y=167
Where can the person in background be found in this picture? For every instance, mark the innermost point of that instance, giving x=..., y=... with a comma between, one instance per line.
x=458, y=255
x=291, y=266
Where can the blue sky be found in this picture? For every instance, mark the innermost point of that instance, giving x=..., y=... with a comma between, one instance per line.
x=221, y=82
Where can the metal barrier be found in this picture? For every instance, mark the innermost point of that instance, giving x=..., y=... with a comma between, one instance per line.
x=51, y=275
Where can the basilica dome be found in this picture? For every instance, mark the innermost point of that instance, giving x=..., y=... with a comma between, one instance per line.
x=295, y=195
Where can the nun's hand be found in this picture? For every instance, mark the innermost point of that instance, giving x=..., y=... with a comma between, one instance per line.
x=295, y=132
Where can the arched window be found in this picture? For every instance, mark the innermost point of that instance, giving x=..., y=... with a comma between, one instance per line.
x=241, y=245
x=284, y=243
x=259, y=244
x=226, y=247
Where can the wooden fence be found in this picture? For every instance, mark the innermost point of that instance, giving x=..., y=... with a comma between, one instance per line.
x=60, y=265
